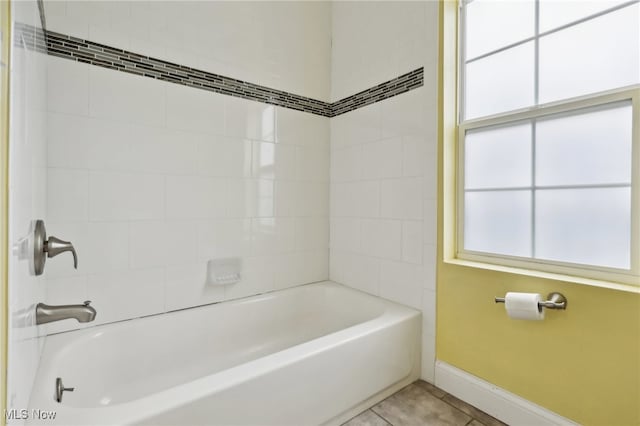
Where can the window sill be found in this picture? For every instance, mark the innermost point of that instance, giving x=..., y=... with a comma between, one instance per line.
x=546, y=275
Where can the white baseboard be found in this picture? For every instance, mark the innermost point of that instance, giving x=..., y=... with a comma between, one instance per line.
x=501, y=404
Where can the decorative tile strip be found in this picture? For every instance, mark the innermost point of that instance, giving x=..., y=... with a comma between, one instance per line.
x=120, y=60
x=382, y=91
x=88, y=52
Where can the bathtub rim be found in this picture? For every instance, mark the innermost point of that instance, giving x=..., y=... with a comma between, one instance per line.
x=243, y=299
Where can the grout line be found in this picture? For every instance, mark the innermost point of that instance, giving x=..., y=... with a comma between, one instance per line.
x=379, y=415
x=459, y=410
x=388, y=422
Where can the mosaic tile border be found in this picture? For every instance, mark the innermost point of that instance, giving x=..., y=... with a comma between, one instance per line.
x=88, y=52
x=121, y=60
x=382, y=91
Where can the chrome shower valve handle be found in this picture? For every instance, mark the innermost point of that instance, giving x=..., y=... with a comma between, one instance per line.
x=54, y=246
x=44, y=248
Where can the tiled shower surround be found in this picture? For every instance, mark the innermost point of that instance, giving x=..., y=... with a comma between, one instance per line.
x=384, y=159
x=150, y=179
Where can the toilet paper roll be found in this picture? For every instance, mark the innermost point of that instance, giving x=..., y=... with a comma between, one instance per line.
x=524, y=306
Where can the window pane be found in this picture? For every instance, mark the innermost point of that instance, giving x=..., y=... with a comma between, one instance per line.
x=498, y=222
x=498, y=157
x=589, y=148
x=555, y=13
x=597, y=55
x=494, y=24
x=500, y=82
x=587, y=226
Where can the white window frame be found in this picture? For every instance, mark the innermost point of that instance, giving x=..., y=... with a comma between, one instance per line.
x=558, y=108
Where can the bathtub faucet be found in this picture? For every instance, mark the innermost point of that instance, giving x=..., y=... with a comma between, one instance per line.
x=47, y=313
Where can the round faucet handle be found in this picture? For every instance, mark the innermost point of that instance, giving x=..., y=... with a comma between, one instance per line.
x=87, y=302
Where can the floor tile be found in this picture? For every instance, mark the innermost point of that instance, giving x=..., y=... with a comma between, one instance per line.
x=437, y=392
x=413, y=406
x=481, y=416
x=367, y=418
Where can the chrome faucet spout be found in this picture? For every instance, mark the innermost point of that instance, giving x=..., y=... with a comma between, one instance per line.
x=48, y=313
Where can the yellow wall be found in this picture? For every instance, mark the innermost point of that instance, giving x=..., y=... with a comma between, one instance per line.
x=5, y=25
x=582, y=363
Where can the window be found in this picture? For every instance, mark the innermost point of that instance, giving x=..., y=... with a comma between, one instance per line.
x=549, y=130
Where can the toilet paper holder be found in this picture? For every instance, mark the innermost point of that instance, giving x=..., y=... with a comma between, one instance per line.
x=554, y=301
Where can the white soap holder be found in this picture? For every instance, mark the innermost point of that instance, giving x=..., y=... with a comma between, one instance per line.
x=224, y=271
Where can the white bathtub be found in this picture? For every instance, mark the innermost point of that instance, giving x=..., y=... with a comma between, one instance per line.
x=310, y=355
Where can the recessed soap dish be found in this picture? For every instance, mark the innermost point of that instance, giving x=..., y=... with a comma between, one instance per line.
x=224, y=271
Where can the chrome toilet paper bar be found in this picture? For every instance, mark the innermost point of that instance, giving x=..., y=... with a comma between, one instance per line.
x=554, y=301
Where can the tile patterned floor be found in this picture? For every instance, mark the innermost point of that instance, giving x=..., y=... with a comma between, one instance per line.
x=422, y=404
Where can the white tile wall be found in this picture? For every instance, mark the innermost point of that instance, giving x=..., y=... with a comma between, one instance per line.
x=68, y=88
x=151, y=180
x=267, y=43
x=194, y=110
x=68, y=194
x=383, y=158
x=377, y=41
x=117, y=96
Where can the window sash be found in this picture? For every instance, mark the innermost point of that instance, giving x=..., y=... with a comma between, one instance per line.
x=463, y=60
x=558, y=109
x=538, y=34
